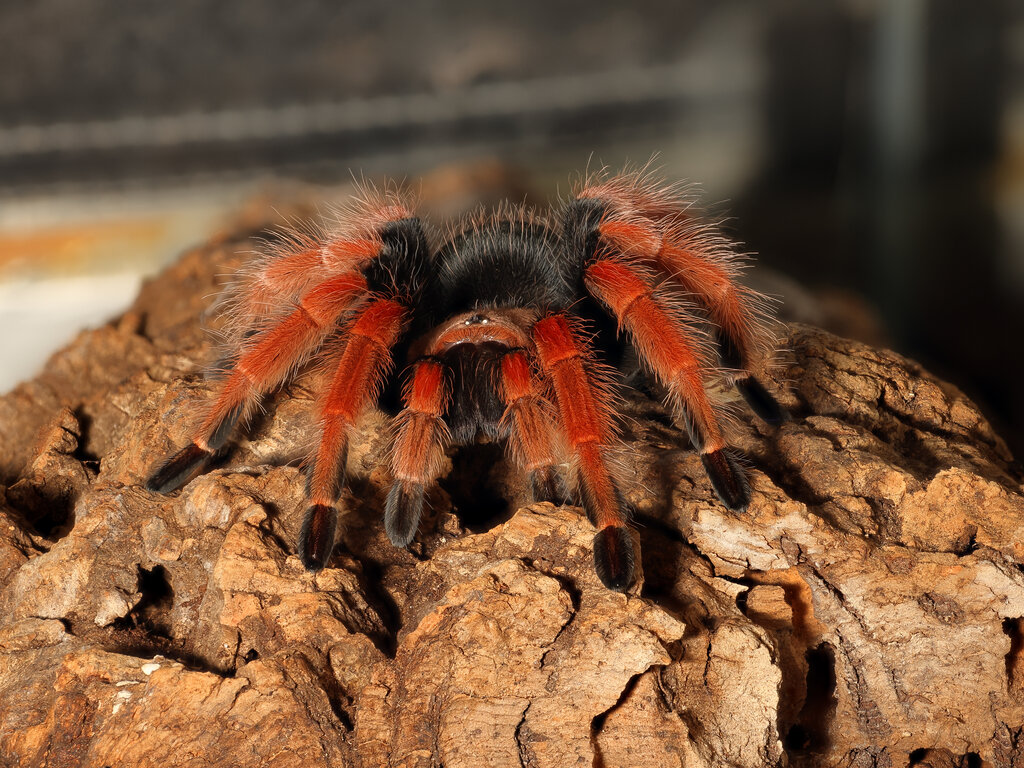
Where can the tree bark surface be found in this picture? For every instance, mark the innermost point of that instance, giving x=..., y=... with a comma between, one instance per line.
x=867, y=610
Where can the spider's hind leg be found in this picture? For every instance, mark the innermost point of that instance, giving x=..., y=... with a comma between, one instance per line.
x=651, y=223
x=761, y=401
x=179, y=469
x=672, y=351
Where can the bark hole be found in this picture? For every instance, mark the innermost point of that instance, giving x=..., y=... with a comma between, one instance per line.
x=82, y=452
x=1014, y=629
x=943, y=758
x=811, y=731
x=157, y=600
x=475, y=486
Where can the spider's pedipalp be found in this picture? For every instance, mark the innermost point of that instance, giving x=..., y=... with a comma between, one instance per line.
x=402, y=512
x=589, y=432
x=417, y=455
x=531, y=430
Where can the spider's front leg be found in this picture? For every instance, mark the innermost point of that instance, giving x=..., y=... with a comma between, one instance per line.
x=586, y=420
x=266, y=363
x=396, y=279
x=357, y=379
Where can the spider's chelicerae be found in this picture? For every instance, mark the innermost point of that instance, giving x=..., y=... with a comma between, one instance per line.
x=502, y=333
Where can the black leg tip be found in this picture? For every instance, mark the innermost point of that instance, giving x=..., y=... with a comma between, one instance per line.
x=316, y=540
x=178, y=470
x=761, y=401
x=402, y=512
x=728, y=479
x=613, y=557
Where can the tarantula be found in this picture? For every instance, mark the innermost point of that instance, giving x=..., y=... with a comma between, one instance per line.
x=507, y=335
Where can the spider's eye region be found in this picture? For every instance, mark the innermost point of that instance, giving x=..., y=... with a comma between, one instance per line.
x=476, y=320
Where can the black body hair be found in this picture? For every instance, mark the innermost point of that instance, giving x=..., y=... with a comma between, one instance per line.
x=475, y=409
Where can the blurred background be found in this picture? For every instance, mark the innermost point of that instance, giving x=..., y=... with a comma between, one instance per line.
x=871, y=152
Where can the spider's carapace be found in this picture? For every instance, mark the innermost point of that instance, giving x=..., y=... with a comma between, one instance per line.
x=498, y=332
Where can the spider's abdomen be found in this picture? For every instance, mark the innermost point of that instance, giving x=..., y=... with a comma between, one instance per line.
x=506, y=263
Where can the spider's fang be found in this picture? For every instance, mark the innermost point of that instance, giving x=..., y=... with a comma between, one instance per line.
x=613, y=557
x=728, y=479
x=179, y=469
x=402, y=512
x=761, y=400
x=316, y=541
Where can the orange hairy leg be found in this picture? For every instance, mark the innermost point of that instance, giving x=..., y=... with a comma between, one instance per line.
x=588, y=430
x=527, y=419
x=708, y=282
x=418, y=453
x=730, y=306
x=665, y=345
x=304, y=259
x=271, y=356
x=280, y=348
x=360, y=371
x=293, y=273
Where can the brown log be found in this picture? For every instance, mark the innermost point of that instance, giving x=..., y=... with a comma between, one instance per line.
x=867, y=610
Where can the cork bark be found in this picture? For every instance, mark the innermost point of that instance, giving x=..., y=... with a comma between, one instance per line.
x=867, y=610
